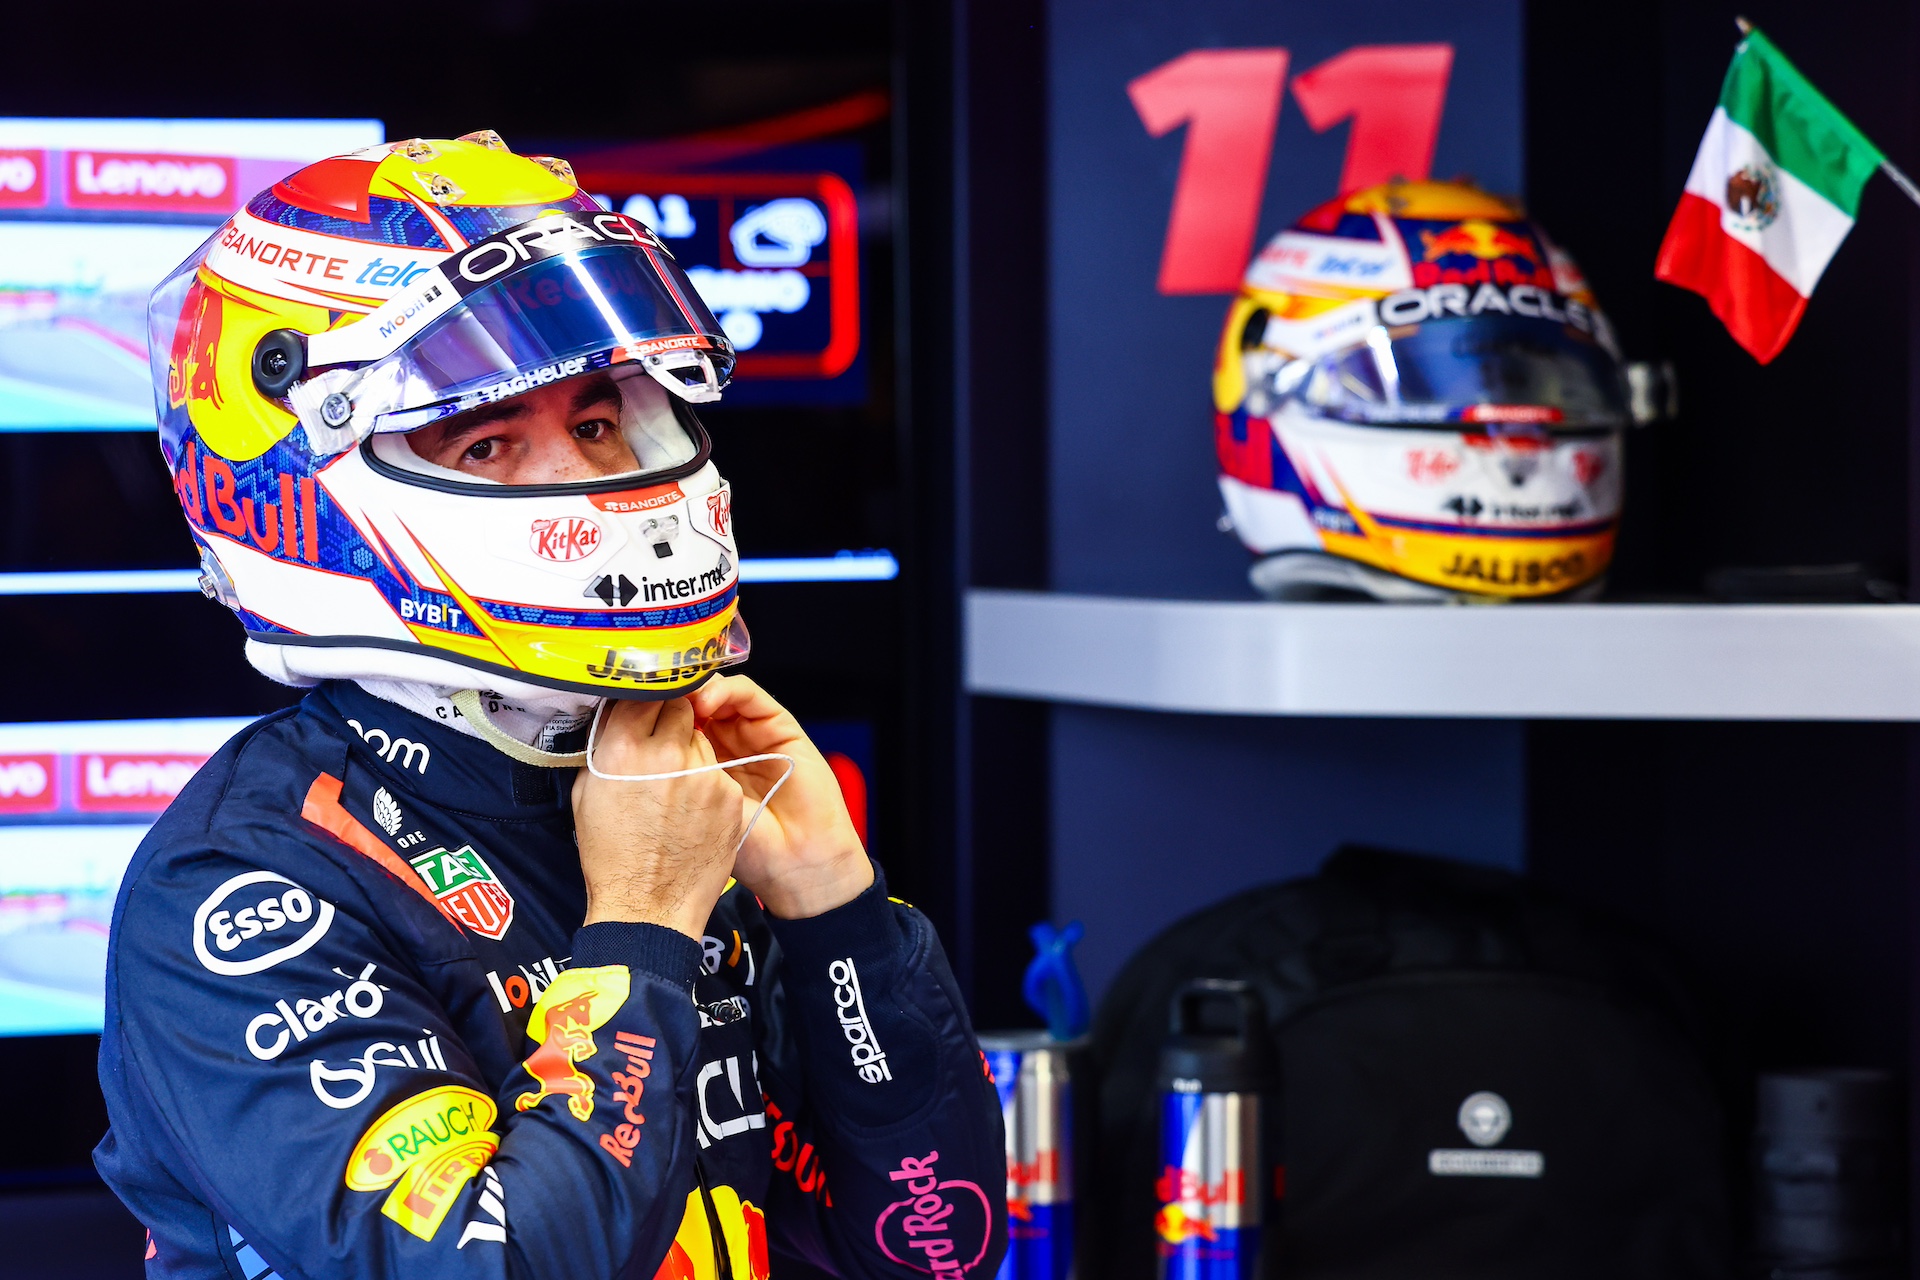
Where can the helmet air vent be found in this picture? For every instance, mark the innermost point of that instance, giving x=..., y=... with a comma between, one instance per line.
x=557, y=167
x=444, y=190
x=418, y=150
x=486, y=138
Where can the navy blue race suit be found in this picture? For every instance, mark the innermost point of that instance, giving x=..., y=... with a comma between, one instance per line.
x=354, y=1028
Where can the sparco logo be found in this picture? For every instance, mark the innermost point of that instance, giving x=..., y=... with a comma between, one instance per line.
x=869, y=1059
x=566, y=538
x=542, y=238
x=250, y=906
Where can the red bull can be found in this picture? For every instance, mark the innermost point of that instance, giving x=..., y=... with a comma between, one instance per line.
x=1030, y=1070
x=1212, y=1184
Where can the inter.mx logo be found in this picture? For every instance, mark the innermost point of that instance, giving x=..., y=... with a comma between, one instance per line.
x=462, y=881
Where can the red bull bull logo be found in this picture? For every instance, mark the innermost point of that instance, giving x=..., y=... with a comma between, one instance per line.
x=1496, y=254
x=1477, y=238
x=1175, y=1225
x=576, y=1004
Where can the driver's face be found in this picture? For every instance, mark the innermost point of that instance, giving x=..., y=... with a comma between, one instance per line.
x=552, y=435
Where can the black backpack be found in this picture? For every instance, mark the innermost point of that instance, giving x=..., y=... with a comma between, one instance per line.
x=1397, y=988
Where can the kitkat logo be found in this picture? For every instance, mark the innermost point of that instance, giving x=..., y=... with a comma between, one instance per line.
x=136, y=783
x=567, y=538
x=129, y=180
x=27, y=784
x=23, y=179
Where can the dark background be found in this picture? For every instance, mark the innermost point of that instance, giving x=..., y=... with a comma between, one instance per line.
x=1775, y=857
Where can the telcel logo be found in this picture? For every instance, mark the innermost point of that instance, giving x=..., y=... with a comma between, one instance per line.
x=252, y=906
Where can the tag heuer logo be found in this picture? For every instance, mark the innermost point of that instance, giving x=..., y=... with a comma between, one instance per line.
x=461, y=879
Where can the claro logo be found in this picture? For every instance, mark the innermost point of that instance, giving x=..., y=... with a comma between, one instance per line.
x=869, y=1059
x=134, y=180
x=256, y=920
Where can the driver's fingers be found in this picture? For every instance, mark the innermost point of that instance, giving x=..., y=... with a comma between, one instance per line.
x=675, y=723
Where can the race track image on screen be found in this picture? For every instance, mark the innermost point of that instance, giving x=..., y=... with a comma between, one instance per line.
x=75, y=798
x=93, y=213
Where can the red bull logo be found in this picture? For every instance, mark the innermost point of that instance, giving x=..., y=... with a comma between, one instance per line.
x=575, y=1004
x=1476, y=238
x=1175, y=1225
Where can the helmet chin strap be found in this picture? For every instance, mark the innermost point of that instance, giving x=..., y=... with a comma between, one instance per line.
x=467, y=703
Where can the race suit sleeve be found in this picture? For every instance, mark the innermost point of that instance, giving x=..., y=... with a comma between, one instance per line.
x=279, y=1014
x=888, y=1155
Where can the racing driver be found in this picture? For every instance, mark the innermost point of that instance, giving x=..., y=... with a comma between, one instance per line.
x=528, y=944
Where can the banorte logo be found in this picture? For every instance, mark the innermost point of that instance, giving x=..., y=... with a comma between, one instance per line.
x=23, y=179
x=149, y=181
x=565, y=538
x=943, y=1225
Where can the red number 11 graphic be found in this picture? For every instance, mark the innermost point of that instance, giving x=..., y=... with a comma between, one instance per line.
x=1229, y=99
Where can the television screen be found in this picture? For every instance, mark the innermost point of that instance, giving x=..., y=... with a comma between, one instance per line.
x=772, y=242
x=93, y=213
x=75, y=798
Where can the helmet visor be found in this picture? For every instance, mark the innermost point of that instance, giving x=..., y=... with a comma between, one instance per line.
x=485, y=326
x=1479, y=369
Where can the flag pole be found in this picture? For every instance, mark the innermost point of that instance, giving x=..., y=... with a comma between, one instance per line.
x=1888, y=167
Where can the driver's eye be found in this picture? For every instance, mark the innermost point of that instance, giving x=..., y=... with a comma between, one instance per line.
x=592, y=429
x=479, y=450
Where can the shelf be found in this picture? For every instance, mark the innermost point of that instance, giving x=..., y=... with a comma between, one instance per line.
x=1596, y=661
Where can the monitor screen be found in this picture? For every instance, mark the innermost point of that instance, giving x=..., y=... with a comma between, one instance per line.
x=93, y=213
x=75, y=798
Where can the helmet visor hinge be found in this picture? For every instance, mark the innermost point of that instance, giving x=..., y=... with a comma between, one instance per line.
x=279, y=361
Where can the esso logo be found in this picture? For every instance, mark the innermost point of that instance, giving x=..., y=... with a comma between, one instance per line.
x=256, y=920
x=567, y=538
x=23, y=179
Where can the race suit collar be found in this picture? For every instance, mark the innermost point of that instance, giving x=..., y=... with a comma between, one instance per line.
x=436, y=761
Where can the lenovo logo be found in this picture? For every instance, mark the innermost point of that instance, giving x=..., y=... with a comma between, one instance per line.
x=127, y=180
x=23, y=179
x=140, y=783
x=27, y=784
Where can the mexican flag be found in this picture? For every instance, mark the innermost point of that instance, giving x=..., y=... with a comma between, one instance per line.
x=1775, y=188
